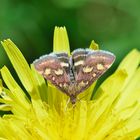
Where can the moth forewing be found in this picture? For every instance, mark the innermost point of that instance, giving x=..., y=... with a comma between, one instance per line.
x=72, y=75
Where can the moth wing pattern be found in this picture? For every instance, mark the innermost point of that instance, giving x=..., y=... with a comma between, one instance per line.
x=78, y=58
x=73, y=74
x=95, y=63
x=54, y=70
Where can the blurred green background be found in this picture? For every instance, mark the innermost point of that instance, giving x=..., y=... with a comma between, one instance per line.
x=113, y=24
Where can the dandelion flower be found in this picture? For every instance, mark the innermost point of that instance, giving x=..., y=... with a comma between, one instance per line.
x=40, y=112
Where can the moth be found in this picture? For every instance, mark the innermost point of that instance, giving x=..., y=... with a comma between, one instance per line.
x=73, y=74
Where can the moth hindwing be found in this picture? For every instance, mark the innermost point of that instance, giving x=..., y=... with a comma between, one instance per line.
x=73, y=74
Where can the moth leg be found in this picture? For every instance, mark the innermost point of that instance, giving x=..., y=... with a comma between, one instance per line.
x=68, y=101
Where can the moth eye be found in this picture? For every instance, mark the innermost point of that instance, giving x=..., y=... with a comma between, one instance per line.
x=47, y=71
x=58, y=72
x=100, y=66
x=87, y=69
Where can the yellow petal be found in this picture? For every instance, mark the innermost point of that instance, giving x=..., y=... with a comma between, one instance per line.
x=131, y=93
x=12, y=85
x=42, y=86
x=81, y=119
x=25, y=74
x=61, y=41
x=112, y=85
x=130, y=63
x=5, y=107
x=22, y=68
x=94, y=45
